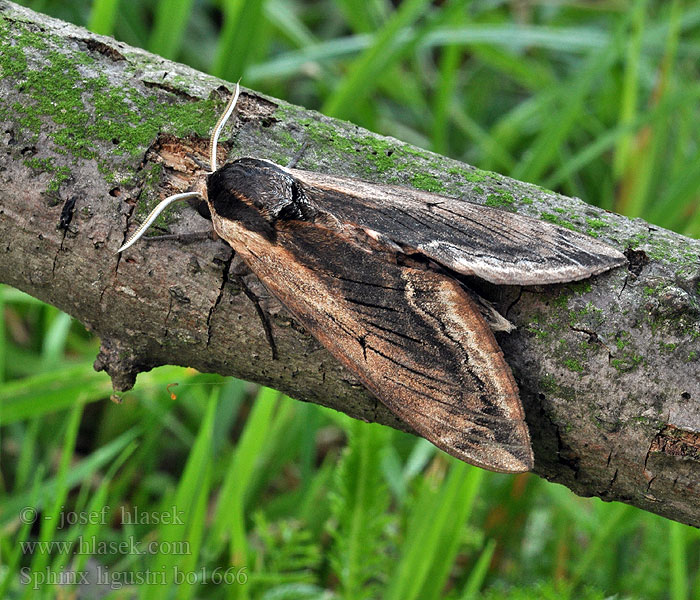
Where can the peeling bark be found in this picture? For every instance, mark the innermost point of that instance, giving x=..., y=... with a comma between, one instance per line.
x=607, y=368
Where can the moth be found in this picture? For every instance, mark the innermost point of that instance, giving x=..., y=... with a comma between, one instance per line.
x=376, y=274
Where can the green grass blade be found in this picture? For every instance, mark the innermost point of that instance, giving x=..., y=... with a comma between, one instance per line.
x=103, y=15
x=134, y=23
x=197, y=518
x=363, y=16
x=495, y=155
x=169, y=27
x=515, y=38
x=658, y=117
x=187, y=505
x=27, y=457
x=544, y=150
x=55, y=340
x=11, y=563
x=478, y=572
x=431, y=544
x=419, y=459
x=644, y=160
x=457, y=501
x=12, y=295
x=630, y=85
x=290, y=63
x=680, y=193
x=239, y=38
x=280, y=14
x=528, y=72
x=445, y=92
x=229, y=517
x=51, y=392
x=363, y=74
x=52, y=516
x=603, y=533
x=97, y=506
x=678, y=561
x=358, y=506
x=11, y=507
x=3, y=343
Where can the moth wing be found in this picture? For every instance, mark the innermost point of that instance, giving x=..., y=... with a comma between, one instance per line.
x=495, y=245
x=414, y=338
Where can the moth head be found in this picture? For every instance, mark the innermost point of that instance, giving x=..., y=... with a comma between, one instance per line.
x=254, y=193
x=256, y=186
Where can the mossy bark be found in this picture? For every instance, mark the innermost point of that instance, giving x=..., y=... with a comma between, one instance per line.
x=607, y=368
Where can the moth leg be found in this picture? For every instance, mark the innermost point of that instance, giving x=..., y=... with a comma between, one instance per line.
x=298, y=156
x=239, y=270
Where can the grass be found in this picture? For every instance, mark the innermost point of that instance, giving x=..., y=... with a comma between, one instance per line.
x=180, y=489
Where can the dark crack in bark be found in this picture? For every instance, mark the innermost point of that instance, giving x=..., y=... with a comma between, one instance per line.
x=262, y=315
x=220, y=295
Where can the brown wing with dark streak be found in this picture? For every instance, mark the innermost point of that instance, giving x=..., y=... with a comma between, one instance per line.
x=414, y=337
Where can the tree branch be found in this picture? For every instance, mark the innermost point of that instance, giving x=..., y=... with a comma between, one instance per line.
x=607, y=368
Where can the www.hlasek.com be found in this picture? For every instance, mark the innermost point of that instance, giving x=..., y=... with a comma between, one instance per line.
x=91, y=546
x=102, y=575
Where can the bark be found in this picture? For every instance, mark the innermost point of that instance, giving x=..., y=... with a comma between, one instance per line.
x=607, y=368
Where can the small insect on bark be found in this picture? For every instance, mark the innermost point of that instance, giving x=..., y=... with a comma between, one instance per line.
x=375, y=273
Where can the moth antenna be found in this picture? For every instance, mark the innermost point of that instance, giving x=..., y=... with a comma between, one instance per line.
x=154, y=214
x=214, y=139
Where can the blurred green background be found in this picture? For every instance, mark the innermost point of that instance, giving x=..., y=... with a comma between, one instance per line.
x=285, y=500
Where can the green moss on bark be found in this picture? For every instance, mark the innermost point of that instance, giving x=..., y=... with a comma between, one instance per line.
x=68, y=88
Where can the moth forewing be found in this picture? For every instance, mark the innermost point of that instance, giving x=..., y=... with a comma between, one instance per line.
x=414, y=337
x=495, y=245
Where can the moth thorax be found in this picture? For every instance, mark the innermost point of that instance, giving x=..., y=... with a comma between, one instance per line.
x=261, y=185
